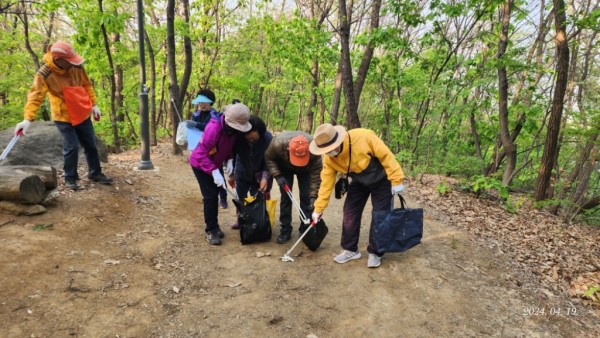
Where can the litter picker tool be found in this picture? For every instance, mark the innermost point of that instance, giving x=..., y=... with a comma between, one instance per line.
x=176, y=110
x=303, y=217
x=286, y=257
x=10, y=145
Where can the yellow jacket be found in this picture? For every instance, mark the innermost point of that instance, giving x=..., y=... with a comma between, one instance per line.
x=365, y=144
x=51, y=79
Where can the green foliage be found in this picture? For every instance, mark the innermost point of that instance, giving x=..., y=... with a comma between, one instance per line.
x=41, y=227
x=593, y=293
x=443, y=188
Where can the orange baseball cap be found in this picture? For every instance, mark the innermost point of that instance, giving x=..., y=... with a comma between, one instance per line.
x=63, y=50
x=299, y=154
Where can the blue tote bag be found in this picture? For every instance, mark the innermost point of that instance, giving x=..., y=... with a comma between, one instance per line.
x=399, y=229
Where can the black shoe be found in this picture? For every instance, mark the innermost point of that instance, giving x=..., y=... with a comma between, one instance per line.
x=100, y=178
x=220, y=233
x=71, y=183
x=285, y=235
x=212, y=237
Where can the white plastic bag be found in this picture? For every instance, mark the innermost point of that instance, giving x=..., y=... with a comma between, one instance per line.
x=180, y=138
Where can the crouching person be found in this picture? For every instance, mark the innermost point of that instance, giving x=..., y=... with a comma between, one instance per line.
x=374, y=171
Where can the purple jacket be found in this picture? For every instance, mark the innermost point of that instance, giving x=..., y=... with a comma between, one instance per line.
x=215, y=147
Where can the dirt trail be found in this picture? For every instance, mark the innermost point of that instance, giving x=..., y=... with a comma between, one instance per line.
x=130, y=260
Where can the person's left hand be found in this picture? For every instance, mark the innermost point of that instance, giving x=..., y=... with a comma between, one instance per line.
x=397, y=189
x=97, y=113
x=316, y=216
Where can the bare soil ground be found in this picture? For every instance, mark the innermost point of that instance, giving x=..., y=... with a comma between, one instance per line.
x=130, y=260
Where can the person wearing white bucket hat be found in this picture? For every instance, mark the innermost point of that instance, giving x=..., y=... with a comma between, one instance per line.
x=216, y=147
x=374, y=170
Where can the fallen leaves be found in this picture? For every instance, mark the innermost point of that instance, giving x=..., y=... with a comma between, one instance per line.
x=563, y=257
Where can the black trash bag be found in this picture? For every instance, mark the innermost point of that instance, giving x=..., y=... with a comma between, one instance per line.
x=315, y=235
x=253, y=220
x=397, y=230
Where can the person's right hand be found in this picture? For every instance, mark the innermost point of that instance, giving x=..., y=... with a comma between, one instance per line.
x=281, y=181
x=218, y=178
x=190, y=124
x=263, y=185
x=21, y=128
x=316, y=216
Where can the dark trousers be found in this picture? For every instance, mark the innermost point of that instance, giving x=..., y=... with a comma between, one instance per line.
x=72, y=137
x=210, y=199
x=285, y=208
x=243, y=187
x=356, y=199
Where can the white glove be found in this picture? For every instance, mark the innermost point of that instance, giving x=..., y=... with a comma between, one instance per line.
x=97, y=113
x=22, y=127
x=397, y=189
x=316, y=216
x=218, y=178
x=229, y=167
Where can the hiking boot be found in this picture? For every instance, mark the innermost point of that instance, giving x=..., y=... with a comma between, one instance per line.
x=224, y=204
x=212, y=237
x=285, y=235
x=346, y=256
x=100, y=178
x=220, y=233
x=235, y=226
x=71, y=183
x=374, y=261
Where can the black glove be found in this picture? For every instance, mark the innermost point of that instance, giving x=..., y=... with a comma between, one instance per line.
x=281, y=181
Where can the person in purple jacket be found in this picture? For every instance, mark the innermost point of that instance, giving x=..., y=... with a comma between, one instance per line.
x=207, y=158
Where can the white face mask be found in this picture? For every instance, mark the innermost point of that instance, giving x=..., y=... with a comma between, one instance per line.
x=335, y=152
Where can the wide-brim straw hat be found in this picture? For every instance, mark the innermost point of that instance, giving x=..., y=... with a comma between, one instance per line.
x=327, y=137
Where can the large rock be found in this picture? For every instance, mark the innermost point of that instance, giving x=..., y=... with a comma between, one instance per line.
x=41, y=146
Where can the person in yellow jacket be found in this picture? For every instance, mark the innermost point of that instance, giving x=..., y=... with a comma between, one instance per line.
x=72, y=102
x=374, y=171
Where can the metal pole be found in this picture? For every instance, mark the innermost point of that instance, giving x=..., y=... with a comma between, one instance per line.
x=145, y=163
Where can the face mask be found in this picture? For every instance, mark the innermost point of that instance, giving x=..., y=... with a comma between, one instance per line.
x=335, y=152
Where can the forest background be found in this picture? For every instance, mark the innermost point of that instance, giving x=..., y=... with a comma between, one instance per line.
x=501, y=94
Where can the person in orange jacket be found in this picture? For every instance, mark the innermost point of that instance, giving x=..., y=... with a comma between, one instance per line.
x=72, y=103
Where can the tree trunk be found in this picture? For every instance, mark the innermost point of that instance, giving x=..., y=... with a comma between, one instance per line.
x=25, y=19
x=509, y=147
x=352, y=120
x=46, y=173
x=337, y=94
x=20, y=186
x=562, y=72
x=312, y=104
x=187, y=47
x=361, y=76
x=113, y=86
x=173, y=84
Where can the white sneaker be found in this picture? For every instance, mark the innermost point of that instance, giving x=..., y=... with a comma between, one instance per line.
x=374, y=261
x=347, y=256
